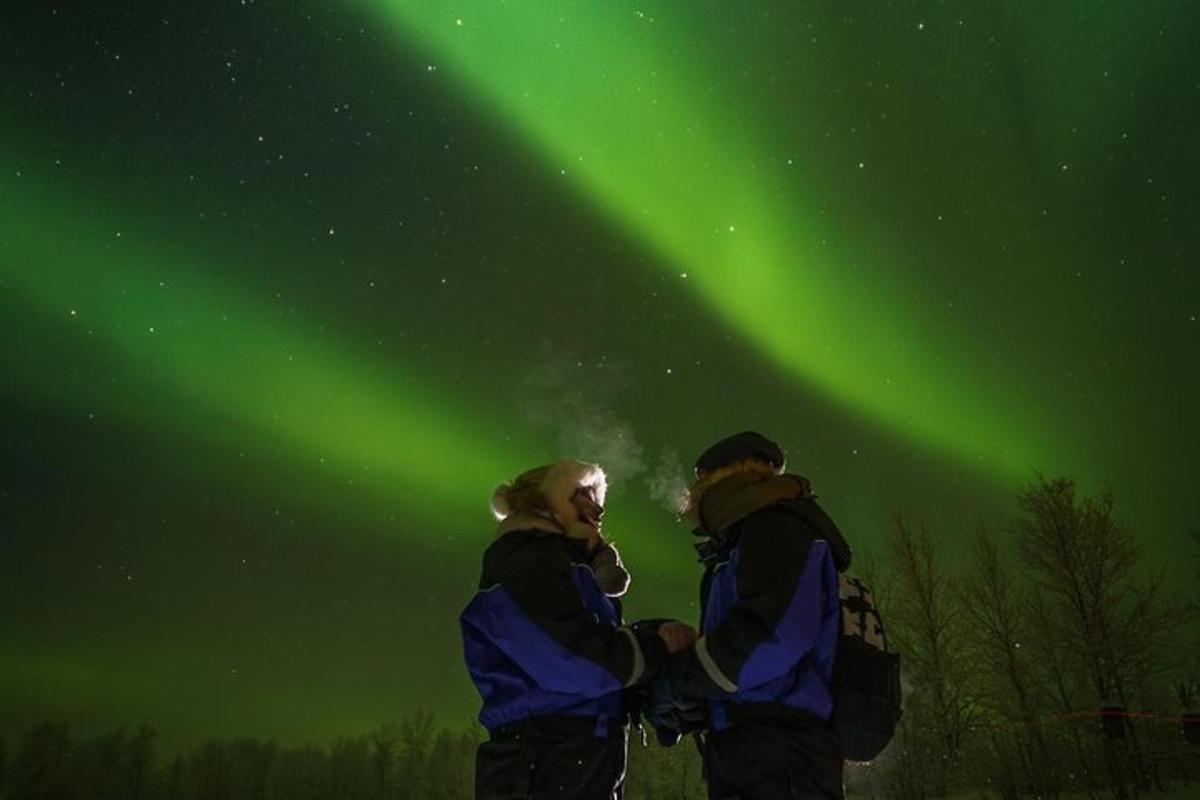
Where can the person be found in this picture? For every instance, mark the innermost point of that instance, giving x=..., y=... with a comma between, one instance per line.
x=545, y=644
x=769, y=627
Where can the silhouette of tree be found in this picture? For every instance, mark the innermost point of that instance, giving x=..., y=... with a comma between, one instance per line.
x=928, y=626
x=303, y=772
x=139, y=764
x=350, y=768
x=173, y=784
x=251, y=766
x=42, y=769
x=210, y=771
x=446, y=777
x=999, y=614
x=416, y=734
x=1097, y=606
x=100, y=766
x=384, y=743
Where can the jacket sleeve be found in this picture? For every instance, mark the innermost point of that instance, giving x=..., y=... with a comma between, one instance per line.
x=562, y=645
x=775, y=620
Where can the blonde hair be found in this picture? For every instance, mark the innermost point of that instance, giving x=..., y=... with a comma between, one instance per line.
x=522, y=495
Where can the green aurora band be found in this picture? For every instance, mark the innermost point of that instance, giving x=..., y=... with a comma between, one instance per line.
x=339, y=410
x=217, y=351
x=345, y=441
x=597, y=91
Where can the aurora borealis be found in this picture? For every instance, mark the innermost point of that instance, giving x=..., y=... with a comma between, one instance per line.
x=288, y=287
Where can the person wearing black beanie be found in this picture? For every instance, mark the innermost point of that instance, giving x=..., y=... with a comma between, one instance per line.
x=770, y=622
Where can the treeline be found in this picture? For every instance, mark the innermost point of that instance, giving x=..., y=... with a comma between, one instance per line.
x=1052, y=663
x=412, y=760
x=409, y=760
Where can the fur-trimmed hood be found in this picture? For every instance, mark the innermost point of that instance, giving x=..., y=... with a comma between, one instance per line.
x=728, y=495
x=540, y=499
x=752, y=470
x=552, y=485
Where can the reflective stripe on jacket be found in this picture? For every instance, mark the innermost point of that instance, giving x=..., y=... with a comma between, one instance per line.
x=770, y=618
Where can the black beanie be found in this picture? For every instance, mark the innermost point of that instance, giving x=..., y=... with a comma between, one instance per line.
x=746, y=446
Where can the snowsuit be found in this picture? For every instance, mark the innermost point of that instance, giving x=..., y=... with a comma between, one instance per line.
x=550, y=657
x=769, y=625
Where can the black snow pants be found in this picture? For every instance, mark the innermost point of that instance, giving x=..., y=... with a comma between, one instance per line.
x=771, y=759
x=553, y=757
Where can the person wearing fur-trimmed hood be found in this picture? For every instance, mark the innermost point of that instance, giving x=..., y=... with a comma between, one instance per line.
x=546, y=646
x=770, y=623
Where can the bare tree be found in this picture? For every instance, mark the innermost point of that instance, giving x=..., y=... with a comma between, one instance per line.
x=384, y=742
x=42, y=767
x=998, y=611
x=928, y=626
x=350, y=768
x=1100, y=609
x=173, y=784
x=416, y=741
x=252, y=765
x=210, y=771
x=139, y=765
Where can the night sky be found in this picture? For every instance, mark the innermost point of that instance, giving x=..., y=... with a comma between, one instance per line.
x=287, y=287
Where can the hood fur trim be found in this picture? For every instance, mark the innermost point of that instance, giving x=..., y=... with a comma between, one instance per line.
x=549, y=489
x=564, y=477
x=560, y=482
x=752, y=467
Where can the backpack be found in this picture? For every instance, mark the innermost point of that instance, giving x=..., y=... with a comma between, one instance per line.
x=866, y=676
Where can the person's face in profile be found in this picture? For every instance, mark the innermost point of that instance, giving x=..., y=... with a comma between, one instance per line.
x=587, y=509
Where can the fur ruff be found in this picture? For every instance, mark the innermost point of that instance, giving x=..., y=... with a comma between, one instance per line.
x=553, y=512
x=556, y=483
x=699, y=488
x=564, y=478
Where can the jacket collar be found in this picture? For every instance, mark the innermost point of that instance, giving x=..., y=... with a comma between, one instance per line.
x=741, y=494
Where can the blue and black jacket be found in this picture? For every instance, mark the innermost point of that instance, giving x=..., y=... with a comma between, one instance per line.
x=769, y=616
x=542, y=639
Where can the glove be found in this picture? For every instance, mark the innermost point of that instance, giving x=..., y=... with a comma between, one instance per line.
x=668, y=713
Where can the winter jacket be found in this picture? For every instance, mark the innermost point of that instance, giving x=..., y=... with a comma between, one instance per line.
x=541, y=638
x=770, y=615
